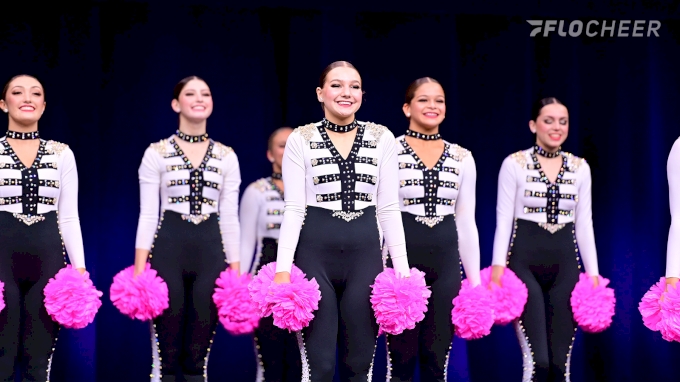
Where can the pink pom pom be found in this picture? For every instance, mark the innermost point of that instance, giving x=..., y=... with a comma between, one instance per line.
x=237, y=312
x=258, y=288
x=2, y=296
x=509, y=299
x=291, y=304
x=593, y=307
x=669, y=326
x=650, y=305
x=472, y=313
x=399, y=302
x=143, y=297
x=71, y=299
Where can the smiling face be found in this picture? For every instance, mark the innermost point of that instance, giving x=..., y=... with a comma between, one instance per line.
x=551, y=126
x=427, y=109
x=24, y=100
x=194, y=101
x=341, y=94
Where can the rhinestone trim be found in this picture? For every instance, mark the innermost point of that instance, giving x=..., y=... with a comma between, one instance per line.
x=18, y=135
x=28, y=219
x=196, y=219
x=347, y=215
x=191, y=138
x=430, y=221
x=425, y=137
x=552, y=228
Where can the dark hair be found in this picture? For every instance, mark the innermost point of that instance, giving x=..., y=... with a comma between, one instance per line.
x=6, y=87
x=331, y=66
x=180, y=85
x=270, y=141
x=411, y=91
x=538, y=105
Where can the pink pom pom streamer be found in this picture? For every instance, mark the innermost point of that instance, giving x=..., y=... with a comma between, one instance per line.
x=650, y=305
x=2, y=296
x=472, y=314
x=237, y=312
x=509, y=299
x=258, y=288
x=143, y=297
x=593, y=307
x=399, y=302
x=290, y=304
x=71, y=299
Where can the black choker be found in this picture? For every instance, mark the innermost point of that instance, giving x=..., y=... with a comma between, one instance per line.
x=17, y=135
x=277, y=175
x=328, y=125
x=425, y=137
x=192, y=138
x=540, y=151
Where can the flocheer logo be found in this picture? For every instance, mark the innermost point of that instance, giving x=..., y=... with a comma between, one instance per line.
x=596, y=28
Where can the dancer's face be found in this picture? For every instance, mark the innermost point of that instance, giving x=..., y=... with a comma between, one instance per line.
x=551, y=127
x=195, y=101
x=341, y=94
x=427, y=109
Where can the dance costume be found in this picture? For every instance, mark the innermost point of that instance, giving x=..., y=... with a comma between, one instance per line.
x=334, y=206
x=543, y=230
x=673, y=250
x=261, y=214
x=198, y=224
x=438, y=212
x=39, y=220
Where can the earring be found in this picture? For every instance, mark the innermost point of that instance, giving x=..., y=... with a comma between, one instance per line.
x=408, y=115
x=5, y=110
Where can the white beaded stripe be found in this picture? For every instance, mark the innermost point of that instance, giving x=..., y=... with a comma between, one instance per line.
x=259, y=377
x=388, y=375
x=446, y=364
x=49, y=361
x=155, y=356
x=207, y=356
x=306, y=375
x=527, y=354
x=567, y=373
x=370, y=369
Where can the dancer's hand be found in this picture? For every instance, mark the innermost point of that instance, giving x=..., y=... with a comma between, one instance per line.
x=80, y=270
x=282, y=277
x=496, y=274
x=671, y=281
x=236, y=266
x=596, y=281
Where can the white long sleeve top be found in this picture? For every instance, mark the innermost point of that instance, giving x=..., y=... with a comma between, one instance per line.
x=314, y=174
x=169, y=181
x=261, y=214
x=50, y=184
x=446, y=189
x=673, y=249
x=524, y=192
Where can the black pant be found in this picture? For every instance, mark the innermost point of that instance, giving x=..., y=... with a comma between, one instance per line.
x=345, y=259
x=435, y=252
x=29, y=257
x=547, y=263
x=189, y=258
x=278, y=350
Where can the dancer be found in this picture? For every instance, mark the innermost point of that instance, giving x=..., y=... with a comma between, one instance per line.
x=341, y=183
x=39, y=220
x=543, y=228
x=673, y=250
x=197, y=180
x=261, y=214
x=437, y=191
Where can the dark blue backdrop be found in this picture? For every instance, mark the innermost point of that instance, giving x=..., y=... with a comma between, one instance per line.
x=109, y=69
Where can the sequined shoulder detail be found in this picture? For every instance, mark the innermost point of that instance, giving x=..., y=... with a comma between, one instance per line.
x=55, y=148
x=306, y=131
x=458, y=153
x=261, y=185
x=375, y=130
x=161, y=147
x=521, y=158
x=223, y=150
x=574, y=162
